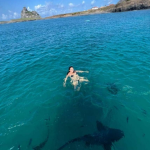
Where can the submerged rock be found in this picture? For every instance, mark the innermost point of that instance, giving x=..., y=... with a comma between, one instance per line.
x=29, y=14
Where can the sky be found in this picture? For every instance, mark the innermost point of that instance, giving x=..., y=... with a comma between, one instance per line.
x=11, y=9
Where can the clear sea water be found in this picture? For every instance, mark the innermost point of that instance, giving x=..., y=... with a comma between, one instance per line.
x=34, y=60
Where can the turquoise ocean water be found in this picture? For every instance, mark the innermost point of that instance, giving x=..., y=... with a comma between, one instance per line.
x=34, y=59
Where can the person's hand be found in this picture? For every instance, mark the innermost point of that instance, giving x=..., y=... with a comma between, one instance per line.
x=64, y=84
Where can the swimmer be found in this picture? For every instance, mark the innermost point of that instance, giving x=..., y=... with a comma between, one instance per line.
x=75, y=78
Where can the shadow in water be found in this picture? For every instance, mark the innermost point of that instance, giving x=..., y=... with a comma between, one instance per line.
x=76, y=117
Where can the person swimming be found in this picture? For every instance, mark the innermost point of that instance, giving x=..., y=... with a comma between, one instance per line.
x=75, y=78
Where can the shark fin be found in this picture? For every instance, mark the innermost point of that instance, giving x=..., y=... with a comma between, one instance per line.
x=100, y=126
x=107, y=147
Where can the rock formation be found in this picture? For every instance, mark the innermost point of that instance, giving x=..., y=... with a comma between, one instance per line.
x=128, y=5
x=29, y=14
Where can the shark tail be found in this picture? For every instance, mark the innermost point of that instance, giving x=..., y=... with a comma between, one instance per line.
x=69, y=142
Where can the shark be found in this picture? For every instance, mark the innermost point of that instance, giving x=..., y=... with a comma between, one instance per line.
x=30, y=141
x=104, y=136
x=41, y=145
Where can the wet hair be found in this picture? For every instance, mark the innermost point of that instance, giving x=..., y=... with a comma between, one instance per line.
x=69, y=69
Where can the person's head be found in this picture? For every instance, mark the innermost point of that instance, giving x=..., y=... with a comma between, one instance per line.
x=71, y=69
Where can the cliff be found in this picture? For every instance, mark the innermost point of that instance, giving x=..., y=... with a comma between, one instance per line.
x=128, y=5
x=29, y=14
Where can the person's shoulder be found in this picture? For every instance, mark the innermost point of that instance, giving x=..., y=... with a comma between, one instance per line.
x=68, y=74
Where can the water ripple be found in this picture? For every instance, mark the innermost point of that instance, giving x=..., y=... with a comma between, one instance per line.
x=35, y=57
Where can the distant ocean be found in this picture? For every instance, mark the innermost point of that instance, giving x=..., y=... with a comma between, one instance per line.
x=34, y=60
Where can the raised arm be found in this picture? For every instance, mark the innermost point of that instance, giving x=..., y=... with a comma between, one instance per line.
x=80, y=71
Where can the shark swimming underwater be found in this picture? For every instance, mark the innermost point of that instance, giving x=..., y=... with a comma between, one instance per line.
x=39, y=147
x=105, y=136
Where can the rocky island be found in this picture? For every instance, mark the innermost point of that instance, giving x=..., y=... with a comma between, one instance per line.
x=129, y=5
x=29, y=14
x=25, y=16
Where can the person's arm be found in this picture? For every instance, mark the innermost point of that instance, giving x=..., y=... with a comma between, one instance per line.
x=64, y=84
x=80, y=71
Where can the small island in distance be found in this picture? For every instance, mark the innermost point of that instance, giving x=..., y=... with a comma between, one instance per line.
x=25, y=16
x=122, y=5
